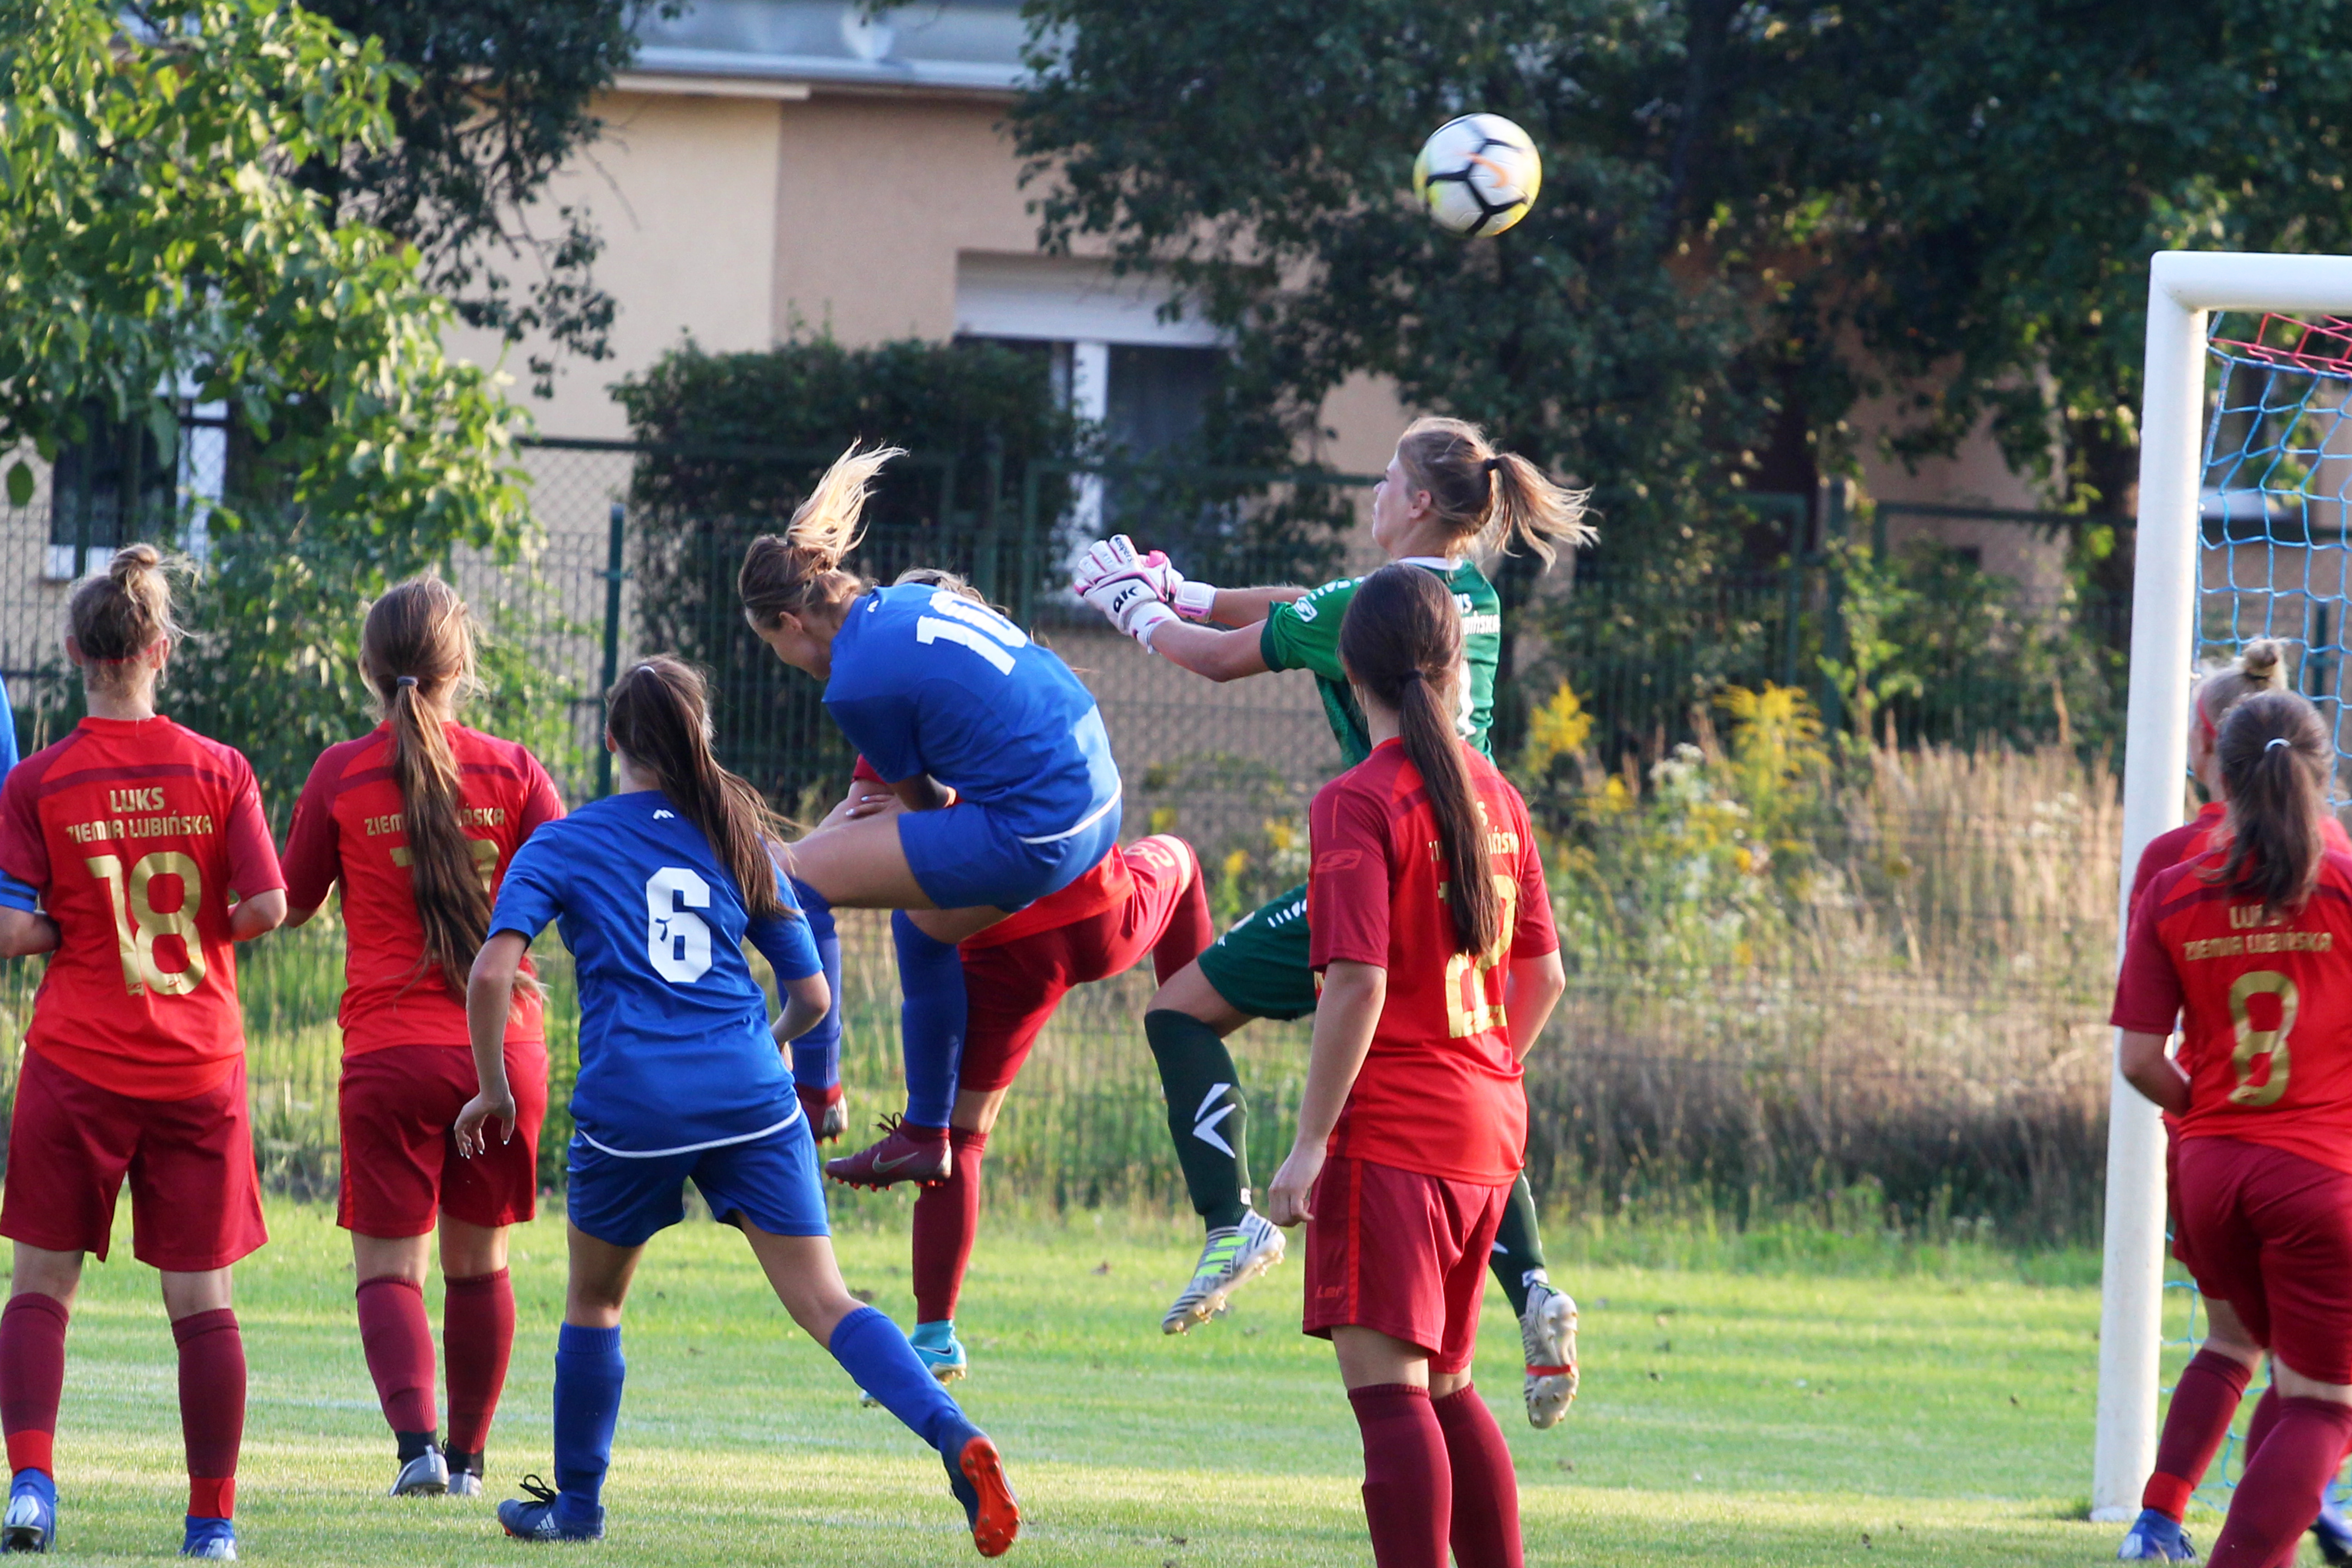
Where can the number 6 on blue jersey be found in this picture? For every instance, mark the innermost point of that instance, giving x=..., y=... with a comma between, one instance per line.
x=677, y=940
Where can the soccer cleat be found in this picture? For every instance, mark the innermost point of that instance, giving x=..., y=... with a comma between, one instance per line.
x=2154, y=1537
x=427, y=1474
x=906, y=1154
x=976, y=1476
x=464, y=1472
x=2333, y=1532
x=214, y=1540
x=32, y=1520
x=1548, y=1335
x=536, y=1518
x=1235, y=1255
x=937, y=1347
x=826, y=1110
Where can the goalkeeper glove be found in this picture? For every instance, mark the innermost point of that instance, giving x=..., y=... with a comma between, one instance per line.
x=1132, y=607
x=1116, y=557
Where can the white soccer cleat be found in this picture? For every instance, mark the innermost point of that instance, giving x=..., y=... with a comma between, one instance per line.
x=1548, y=1335
x=464, y=1483
x=427, y=1474
x=1235, y=1255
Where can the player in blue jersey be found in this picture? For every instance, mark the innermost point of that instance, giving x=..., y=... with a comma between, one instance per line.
x=654, y=889
x=1005, y=787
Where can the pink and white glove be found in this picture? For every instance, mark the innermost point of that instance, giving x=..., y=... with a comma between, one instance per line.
x=1116, y=557
x=1131, y=606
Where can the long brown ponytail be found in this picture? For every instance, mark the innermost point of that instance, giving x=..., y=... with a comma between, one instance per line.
x=658, y=714
x=1401, y=644
x=1499, y=498
x=416, y=652
x=2275, y=762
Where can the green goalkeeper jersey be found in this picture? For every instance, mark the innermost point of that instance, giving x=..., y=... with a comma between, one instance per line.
x=1305, y=635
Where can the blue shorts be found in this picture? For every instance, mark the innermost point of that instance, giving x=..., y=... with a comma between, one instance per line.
x=967, y=856
x=771, y=1180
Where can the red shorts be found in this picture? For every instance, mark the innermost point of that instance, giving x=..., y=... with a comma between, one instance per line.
x=1013, y=989
x=1402, y=1253
x=2271, y=1233
x=195, y=1202
x=401, y=1166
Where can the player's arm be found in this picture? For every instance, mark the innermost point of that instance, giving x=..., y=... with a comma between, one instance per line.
x=1345, y=1018
x=1219, y=656
x=257, y=915
x=1531, y=989
x=26, y=933
x=2145, y=1066
x=490, y=996
x=806, y=1000
x=1247, y=606
x=923, y=793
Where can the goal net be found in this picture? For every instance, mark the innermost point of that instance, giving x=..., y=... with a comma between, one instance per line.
x=2245, y=469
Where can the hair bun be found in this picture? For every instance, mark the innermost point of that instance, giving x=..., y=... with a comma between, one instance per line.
x=2260, y=661
x=132, y=559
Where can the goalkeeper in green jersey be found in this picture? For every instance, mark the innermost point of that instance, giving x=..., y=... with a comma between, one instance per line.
x=1447, y=492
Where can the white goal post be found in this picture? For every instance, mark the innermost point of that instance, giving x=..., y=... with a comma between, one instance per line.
x=2184, y=288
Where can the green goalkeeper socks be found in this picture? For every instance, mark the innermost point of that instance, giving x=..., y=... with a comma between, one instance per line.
x=1518, y=1246
x=1206, y=1113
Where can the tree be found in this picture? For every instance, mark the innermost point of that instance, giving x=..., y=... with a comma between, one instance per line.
x=493, y=101
x=1260, y=156
x=1755, y=212
x=155, y=248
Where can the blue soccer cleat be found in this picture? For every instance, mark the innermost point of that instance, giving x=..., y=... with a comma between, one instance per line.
x=937, y=1347
x=2333, y=1532
x=214, y=1540
x=976, y=1476
x=32, y=1520
x=2156, y=1538
x=540, y=1516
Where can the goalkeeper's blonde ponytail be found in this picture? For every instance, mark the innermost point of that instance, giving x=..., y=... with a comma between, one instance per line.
x=801, y=571
x=1499, y=498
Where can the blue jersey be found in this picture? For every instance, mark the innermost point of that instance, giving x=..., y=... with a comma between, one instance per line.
x=925, y=681
x=676, y=1051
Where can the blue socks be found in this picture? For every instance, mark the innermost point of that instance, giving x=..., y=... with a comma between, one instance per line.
x=817, y=1056
x=588, y=1374
x=930, y=1023
x=878, y=1358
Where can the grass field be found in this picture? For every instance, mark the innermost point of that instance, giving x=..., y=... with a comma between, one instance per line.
x=1727, y=1417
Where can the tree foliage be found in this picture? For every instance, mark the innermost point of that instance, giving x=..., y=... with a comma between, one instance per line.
x=156, y=249
x=494, y=99
x=1756, y=213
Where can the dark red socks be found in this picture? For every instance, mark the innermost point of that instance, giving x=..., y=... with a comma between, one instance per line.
x=2204, y=1402
x=2278, y=1497
x=1485, y=1527
x=398, y=1343
x=478, y=1323
x=32, y=1378
x=212, y=1408
x=947, y=1218
x=1408, y=1483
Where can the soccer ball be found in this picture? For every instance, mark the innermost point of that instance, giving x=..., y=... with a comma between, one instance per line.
x=1478, y=173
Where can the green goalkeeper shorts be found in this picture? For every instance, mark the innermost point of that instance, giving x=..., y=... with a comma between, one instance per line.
x=1260, y=967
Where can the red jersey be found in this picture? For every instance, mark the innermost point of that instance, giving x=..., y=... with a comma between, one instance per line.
x=1440, y=1090
x=2202, y=831
x=135, y=833
x=347, y=829
x=2243, y=988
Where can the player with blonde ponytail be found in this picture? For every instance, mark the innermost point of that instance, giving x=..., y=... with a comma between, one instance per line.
x=417, y=821
x=1005, y=791
x=1448, y=491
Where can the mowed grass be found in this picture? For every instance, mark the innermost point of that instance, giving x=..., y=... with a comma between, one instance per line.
x=1736, y=1419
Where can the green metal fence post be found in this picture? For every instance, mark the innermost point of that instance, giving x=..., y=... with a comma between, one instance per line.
x=992, y=545
x=614, y=577
x=1833, y=637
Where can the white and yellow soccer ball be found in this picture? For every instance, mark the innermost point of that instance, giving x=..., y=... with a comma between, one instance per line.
x=1478, y=174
